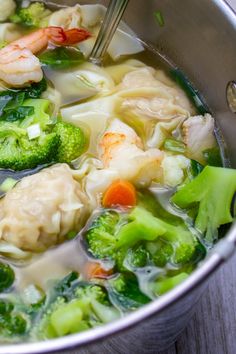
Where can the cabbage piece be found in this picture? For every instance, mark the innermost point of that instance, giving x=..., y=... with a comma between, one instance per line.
x=162, y=130
x=198, y=135
x=174, y=169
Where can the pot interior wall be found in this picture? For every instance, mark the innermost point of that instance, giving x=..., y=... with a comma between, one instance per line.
x=199, y=37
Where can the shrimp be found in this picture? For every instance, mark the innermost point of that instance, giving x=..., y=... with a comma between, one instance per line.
x=122, y=150
x=18, y=64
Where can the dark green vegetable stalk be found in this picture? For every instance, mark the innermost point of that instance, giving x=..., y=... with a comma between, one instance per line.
x=193, y=94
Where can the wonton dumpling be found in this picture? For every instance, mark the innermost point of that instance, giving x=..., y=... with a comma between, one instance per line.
x=41, y=210
x=158, y=100
x=121, y=149
x=7, y=9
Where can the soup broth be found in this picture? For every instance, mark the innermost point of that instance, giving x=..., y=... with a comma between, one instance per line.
x=111, y=177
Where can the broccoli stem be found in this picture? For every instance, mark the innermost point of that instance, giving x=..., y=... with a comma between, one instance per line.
x=162, y=286
x=213, y=189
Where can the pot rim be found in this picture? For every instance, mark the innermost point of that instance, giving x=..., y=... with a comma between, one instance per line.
x=223, y=250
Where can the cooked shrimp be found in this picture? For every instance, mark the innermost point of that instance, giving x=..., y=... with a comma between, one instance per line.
x=122, y=150
x=18, y=64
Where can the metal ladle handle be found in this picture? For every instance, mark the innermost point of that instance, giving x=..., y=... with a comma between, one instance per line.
x=110, y=23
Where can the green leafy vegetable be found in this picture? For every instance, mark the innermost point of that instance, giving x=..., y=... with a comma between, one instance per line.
x=11, y=102
x=213, y=189
x=124, y=292
x=213, y=157
x=196, y=168
x=7, y=277
x=62, y=58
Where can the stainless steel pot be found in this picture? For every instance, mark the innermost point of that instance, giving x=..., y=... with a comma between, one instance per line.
x=200, y=37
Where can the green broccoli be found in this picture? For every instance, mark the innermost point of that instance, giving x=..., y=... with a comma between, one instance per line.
x=72, y=142
x=124, y=292
x=7, y=276
x=112, y=235
x=163, y=285
x=89, y=307
x=35, y=15
x=100, y=236
x=12, y=323
x=17, y=152
x=212, y=190
x=143, y=226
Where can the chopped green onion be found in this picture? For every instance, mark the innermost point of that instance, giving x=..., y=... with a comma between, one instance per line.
x=8, y=184
x=159, y=17
x=174, y=145
x=34, y=131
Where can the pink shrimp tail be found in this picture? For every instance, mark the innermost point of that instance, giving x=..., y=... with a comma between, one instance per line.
x=59, y=36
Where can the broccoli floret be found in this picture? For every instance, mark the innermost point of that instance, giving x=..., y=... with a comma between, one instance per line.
x=161, y=286
x=7, y=276
x=88, y=308
x=161, y=252
x=124, y=292
x=138, y=257
x=112, y=235
x=35, y=15
x=213, y=189
x=143, y=226
x=100, y=236
x=12, y=323
x=17, y=152
x=40, y=114
x=72, y=142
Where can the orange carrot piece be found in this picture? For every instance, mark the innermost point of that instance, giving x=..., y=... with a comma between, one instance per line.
x=120, y=193
x=95, y=270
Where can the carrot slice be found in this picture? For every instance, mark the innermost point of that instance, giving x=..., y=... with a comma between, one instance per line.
x=95, y=270
x=120, y=193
